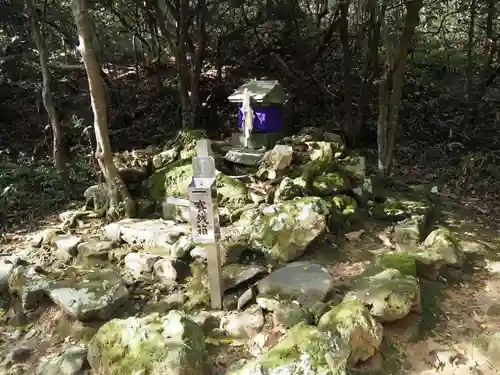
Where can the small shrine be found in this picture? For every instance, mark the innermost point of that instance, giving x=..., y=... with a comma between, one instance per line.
x=260, y=105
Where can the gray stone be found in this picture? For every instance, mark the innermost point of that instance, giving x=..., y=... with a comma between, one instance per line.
x=88, y=294
x=235, y=274
x=176, y=209
x=165, y=157
x=282, y=232
x=154, y=344
x=355, y=324
x=45, y=237
x=302, y=281
x=154, y=236
x=356, y=165
x=29, y=285
x=67, y=244
x=244, y=324
x=256, y=140
x=181, y=247
x=304, y=350
x=139, y=266
x=389, y=294
x=17, y=355
x=244, y=156
x=165, y=272
x=70, y=362
x=95, y=248
x=279, y=158
x=289, y=314
x=6, y=268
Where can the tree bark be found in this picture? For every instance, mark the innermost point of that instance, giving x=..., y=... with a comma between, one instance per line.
x=391, y=88
x=350, y=129
x=470, y=50
x=490, y=19
x=116, y=188
x=58, y=154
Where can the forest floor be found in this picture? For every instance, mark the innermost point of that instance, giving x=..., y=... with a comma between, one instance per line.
x=457, y=310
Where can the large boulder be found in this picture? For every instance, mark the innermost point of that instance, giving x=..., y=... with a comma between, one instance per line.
x=389, y=294
x=173, y=181
x=304, y=350
x=302, y=281
x=154, y=345
x=72, y=361
x=87, y=294
x=355, y=324
x=282, y=232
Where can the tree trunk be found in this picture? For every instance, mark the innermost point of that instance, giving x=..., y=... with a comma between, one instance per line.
x=116, y=187
x=391, y=88
x=350, y=129
x=198, y=55
x=490, y=19
x=470, y=51
x=48, y=100
x=182, y=64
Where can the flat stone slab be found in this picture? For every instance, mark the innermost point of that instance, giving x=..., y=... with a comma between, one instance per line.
x=244, y=156
x=302, y=281
x=88, y=294
x=150, y=235
x=176, y=209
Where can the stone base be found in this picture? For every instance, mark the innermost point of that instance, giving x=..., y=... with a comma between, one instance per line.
x=257, y=140
x=244, y=156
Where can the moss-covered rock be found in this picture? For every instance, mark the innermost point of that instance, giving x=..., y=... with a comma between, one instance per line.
x=231, y=191
x=402, y=262
x=411, y=231
x=283, y=231
x=289, y=314
x=390, y=294
x=155, y=345
x=304, y=350
x=290, y=188
x=441, y=248
x=356, y=326
x=331, y=183
x=173, y=181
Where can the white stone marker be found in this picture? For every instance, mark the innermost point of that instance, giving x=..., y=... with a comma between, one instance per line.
x=204, y=213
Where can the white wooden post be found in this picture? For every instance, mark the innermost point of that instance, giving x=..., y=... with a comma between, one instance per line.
x=205, y=224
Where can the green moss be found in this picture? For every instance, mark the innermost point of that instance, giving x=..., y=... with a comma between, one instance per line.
x=138, y=345
x=326, y=352
x=331, y=183
x=402, y=262
x=230, y=190
x=345, y=204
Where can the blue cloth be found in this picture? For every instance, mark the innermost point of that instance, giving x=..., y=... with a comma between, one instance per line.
x=266, y=119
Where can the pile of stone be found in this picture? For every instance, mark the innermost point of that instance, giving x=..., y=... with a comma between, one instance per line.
x=290, y=196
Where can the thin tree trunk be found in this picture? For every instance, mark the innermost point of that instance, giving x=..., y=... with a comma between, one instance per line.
x=47, y=97
x=117, y=189
x=490, y=19
x=198, y=56
x=350, y=129
x=391, y=88
x=182, y=64
x=470, y=51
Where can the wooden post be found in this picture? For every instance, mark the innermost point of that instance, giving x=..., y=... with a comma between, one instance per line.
x=205, y=224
